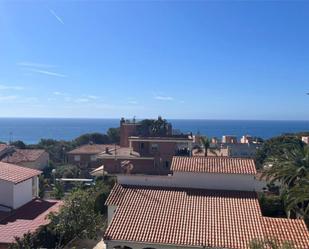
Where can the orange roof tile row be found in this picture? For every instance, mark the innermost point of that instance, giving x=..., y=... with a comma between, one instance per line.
x=286, y=230
x=223, y=165
x=189, y=217
x=16, y=174
x=23, y=155
x=27, y=218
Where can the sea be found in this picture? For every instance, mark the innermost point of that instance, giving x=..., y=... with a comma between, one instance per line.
x=31, y=130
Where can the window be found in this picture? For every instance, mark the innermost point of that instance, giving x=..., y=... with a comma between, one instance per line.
x=167, y=164
x=142, y=145
x=93, y=158
x=154, y=147
x=77, y=158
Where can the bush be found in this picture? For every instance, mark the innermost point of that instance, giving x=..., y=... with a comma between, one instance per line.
x=96, y=138
x=272, y=205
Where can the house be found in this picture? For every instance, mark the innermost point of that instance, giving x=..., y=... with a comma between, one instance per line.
x=85, y=156
x=115, y=161
x=144, y=154
x=247, y=150
x=203, y=173
x=162, y=148
x=21, y=210
x=30, y=158
x=205, y=203
x=229, y=139
x=246, y=139
x=305, y=139
x=4, y=149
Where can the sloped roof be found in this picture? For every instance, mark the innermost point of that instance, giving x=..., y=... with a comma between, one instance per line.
x=213, y=164
x=92, y=149
x=195, y=217
x=185, y=217
x=287, y=230
x=23, y=155
x=3, y=147
x=15, y=174
x=27, y=218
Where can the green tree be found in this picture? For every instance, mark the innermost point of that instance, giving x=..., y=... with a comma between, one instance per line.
x=297, y=199
x=77, y=218
x=19, y=144
x=276, y=146
x=153, y=127
x=114, y=135
x=58, y=190
x=67, y=171
x=57, y=149
x=205, y=142
x=96, y=138
x=28, y=241
x=288, y=165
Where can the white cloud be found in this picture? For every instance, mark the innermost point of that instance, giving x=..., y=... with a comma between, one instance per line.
x=46, y=72
x=82, y=100
x=92, y=97
x=6, y=87
x=132, y=102
x=163, y=98
x=8, y=97
x=59, y=93
x=34, y=64
x=56, y=16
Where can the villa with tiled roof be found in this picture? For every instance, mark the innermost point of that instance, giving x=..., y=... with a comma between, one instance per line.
x=30, y=158
x=180, y=211
x=21, y=210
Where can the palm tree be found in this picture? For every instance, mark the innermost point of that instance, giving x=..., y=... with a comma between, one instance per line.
x=288, y=167
x=205, y=142
x=297, y=198
x=291, y=169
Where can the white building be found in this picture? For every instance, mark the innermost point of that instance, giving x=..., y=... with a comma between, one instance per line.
x=208, y=202
x=305, y=139
x=18, y=185
x=21, y=210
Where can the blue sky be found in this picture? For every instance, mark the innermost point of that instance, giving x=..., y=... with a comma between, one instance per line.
x=206, y=60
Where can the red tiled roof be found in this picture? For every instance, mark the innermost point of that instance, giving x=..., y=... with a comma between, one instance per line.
x=27, y=218
x=223, y=165
x=92, y=148
x=193, y=217
x=3, y=147
x=23, y=155
x=287, y=230
x=185, y=217
x=13, y=173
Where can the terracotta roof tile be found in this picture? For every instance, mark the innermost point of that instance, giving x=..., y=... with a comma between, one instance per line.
x=3, y=147
x=287, y=230
x=27, y=218
x=187, y=217
x=224, y=165
x=23, y=155
x=92, y=148
x=13, y=173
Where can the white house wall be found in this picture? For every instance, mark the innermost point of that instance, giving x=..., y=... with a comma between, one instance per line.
x=110, y=213
x=113, y=244
x=22, y=193
x=6, y=193
x=196, y=180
